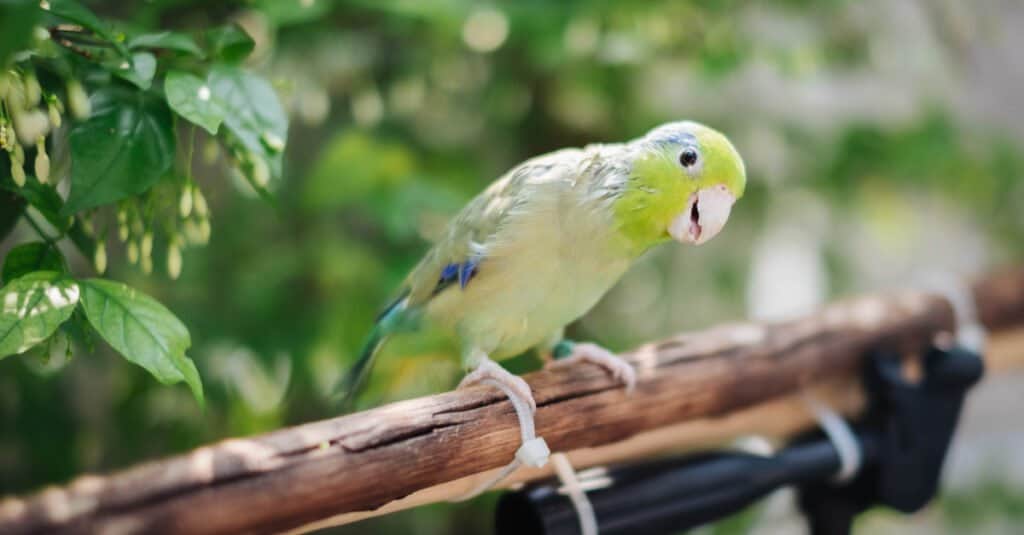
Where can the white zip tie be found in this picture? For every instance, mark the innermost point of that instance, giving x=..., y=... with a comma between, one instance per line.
x=841, y=436
x=571, y=486
x=970, y=333
x=532, y=452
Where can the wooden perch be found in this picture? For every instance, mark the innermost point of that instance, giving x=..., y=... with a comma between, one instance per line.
x=358, y=465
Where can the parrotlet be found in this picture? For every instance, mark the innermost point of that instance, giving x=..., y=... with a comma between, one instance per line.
x=539, y=247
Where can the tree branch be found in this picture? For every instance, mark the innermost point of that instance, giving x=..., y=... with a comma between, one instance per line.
x=355, y=464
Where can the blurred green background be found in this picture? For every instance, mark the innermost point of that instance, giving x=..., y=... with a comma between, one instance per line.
x=882, y=139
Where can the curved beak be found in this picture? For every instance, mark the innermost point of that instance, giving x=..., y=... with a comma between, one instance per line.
x=705, y=215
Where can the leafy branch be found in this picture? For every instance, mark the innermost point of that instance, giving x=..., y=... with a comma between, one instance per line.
x=120, y=100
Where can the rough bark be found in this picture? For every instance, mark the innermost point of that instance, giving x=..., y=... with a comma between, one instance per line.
x=360, y=462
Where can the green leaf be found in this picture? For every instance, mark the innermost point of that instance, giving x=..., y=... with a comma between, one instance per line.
x=139, y=69
x=17, y=18
x=142, y=330
x=252, y=112
x=33, y=256
x=11, y=206
x=229, y=43
x=175, y=41
x=121, y=150
x=190, y=97
x=32, y=307
x=75, y=12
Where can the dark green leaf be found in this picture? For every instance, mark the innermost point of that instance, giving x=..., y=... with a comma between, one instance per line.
x=177, y=42
x=122, y=150
x=75, y=12
x=11, y=206
x=33, y=256
x=252, y=112
x=229, y=43
x=142, y=330
x=190, y=97
x=32, y=307
x=17, y=18
x=139, y=69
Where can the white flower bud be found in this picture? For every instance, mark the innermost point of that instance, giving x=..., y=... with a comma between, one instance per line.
x=204, y=231
x=185, y=201
x=30, y=125
x=147, y=264
x=78, y=100
x=99, y=257
x=199, y=203
x=174, y=260
x=17, y=173
x=272, y=141
x=53, y=109
x=32, y=90
x=42, y=166
x=133, y=252
x=260, y=172
x=146, y=247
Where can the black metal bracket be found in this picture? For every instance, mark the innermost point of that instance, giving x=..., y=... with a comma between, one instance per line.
x=903, y=439
x=914, y=424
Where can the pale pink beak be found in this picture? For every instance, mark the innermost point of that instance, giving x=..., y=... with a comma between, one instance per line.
x=705, y=215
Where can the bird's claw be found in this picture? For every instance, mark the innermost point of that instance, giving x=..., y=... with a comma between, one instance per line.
x=616, y=366
x=489, y=369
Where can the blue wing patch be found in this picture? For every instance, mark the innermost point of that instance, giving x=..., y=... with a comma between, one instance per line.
x=461, y=272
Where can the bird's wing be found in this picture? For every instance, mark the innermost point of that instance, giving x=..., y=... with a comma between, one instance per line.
x=461, y=251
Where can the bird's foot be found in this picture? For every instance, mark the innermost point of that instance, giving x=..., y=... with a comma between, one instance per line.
x=533, y=451
x=615, y=365
x=513, y=385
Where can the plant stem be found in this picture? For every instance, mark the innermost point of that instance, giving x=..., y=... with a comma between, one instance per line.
x=39, y=230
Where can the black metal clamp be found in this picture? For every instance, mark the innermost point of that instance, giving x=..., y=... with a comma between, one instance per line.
x=903, y=439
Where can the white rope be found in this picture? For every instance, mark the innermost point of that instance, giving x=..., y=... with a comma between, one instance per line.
x=532, y=452
x=841, y=436
x=571, y=485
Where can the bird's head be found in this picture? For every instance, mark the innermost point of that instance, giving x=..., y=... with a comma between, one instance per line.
x=683, y=181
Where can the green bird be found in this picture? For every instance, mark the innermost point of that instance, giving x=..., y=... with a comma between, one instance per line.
x=538, y=248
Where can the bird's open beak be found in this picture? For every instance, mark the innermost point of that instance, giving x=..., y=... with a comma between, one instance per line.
x=705, y=215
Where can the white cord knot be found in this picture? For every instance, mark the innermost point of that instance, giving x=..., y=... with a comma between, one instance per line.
x=534, y=452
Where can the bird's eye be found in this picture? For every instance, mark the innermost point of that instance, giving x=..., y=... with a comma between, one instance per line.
x=688, y=157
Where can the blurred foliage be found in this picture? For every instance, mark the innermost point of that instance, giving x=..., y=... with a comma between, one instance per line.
x=877, y=136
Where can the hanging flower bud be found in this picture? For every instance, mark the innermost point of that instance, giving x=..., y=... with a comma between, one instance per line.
x=54, y=109
x=5, y=135
x=260, y=172
x=133, y=252
x=185, y=201
x=32, y=90
x=78, y=100
x=30, y=125
x=174, y=259
x=146, y=246
x=146, y=264
x=122, y=222
x=42, y=166
x=272, y=141
x=204, y=231
x=99, y=257
x=17, y=163
x=199, y=203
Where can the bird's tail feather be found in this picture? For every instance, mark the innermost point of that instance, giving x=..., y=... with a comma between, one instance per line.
x=395, y=318
x=353, y=380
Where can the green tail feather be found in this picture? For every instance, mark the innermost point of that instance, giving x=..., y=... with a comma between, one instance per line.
x=356, y=376
x=395, y=318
